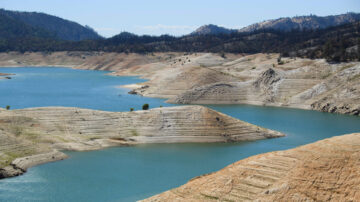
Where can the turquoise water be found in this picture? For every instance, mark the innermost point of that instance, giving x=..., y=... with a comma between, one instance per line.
x=133, y=173
x=47, y=86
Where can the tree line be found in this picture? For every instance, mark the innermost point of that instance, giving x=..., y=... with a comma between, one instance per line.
x=337, y=44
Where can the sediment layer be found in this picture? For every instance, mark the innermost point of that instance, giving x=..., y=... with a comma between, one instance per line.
x=253, y=79
x=327, y=170
x=32, y=136
x=204, y=78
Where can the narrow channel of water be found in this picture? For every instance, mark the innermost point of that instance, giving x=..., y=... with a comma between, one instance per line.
x=133, y=173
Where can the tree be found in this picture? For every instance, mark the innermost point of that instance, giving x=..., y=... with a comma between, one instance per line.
x=145, y=107
x=8, y=107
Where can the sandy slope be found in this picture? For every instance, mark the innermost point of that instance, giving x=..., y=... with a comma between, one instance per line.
x=327, y=170
x=210, y=79
x=36, y=134
x=253, y=79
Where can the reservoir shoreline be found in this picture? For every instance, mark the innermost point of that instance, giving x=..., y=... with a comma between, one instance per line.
x=204, y=78
x=21, y=164
x=43, y=132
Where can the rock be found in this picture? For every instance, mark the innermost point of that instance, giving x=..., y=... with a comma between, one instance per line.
x=133, y=92
x=10, y=171
x=267, y=78
x=327, y=170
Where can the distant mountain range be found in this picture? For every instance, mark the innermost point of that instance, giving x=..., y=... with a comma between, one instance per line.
x=336, y=38
x=33, y=24
x=285, y=24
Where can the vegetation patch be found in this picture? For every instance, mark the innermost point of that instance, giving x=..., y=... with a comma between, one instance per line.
x=210, y=197
x=134, y=132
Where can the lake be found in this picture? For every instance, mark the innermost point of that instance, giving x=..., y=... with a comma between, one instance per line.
x=133, y=173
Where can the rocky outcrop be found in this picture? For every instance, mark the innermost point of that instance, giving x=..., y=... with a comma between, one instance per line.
x=32, y=136
x=323, y=171
x=20, y=165
x=343, y=93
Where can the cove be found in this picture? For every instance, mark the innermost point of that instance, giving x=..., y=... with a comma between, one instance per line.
x=134, y=173
x=50, y=86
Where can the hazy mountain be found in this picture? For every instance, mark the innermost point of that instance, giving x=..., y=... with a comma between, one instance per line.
x=62, y=29
x=212, y=29
x=303, y=22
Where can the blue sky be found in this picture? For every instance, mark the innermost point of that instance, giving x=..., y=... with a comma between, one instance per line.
x=155, y=17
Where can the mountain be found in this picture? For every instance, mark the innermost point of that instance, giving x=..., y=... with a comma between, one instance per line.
x=316, y=37
x=311, y=22
x=61, y=28
x=335, y=43
x=212, y=29
x=339, y=43
x=11, y=28
x=303, y=22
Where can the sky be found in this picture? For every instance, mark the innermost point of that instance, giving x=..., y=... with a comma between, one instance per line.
x=156, y=17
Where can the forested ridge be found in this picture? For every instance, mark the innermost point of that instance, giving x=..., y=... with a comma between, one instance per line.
x=338, y=43
x=46, y=25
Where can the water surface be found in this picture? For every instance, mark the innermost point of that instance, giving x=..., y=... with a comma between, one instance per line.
x=49, y=86
x=133, y=173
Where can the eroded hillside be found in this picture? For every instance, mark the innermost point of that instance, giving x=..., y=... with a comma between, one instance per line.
x=323, y=171
x=260, y=79
x=205, y=78
x=36, y=134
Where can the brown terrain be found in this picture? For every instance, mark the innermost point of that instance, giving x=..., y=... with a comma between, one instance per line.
x=32, y=136
x=327, y=170
x=80, y=60
x=204, y=78
x=323, y=171
x=254, y=79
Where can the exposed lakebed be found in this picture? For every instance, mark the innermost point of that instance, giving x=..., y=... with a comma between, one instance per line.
x=133, y=173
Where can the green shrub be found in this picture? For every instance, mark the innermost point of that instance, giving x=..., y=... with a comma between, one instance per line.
x=131, y=109
x=7, y=107
x=280, y=62
x=222, y=54
x=145, y=107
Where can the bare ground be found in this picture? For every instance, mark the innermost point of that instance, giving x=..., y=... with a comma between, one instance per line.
x=32, y=136
x=327, y=170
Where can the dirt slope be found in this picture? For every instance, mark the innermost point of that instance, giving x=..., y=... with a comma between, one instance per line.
x=36, y=134
x=327, y=170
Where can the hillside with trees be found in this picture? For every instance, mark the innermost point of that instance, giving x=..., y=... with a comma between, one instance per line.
x=60, y=28
x=337, y=44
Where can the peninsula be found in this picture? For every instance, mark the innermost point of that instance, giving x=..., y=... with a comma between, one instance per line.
x=33, y=136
